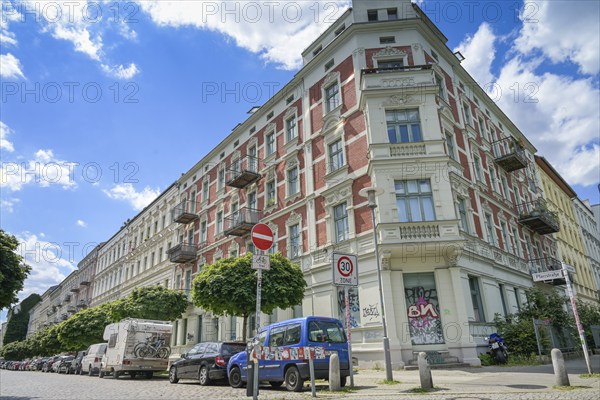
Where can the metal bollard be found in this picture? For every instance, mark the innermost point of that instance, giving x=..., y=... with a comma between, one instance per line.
x=560, y=371
x=424, y=371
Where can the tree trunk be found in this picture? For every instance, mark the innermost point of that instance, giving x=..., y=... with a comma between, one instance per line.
x=245, y=327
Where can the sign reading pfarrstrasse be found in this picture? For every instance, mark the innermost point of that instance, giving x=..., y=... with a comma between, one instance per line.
x=547, y=275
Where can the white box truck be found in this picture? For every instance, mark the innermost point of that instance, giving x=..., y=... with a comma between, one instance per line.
x=136, y=347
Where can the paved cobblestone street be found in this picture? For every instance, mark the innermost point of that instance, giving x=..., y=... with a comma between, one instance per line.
x=501, y=383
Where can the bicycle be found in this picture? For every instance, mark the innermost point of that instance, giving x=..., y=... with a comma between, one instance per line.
x=154, y=347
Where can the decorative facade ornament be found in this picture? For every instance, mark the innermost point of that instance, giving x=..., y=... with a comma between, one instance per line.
x=452, y=255
x=292, y=111
x=398, y=100
x=218, y=254
x=358, y=52
x=386, y=257
x=271, y=127
x=389, y=52
x=234, y=247
x=294, y=218
x=416, y=46
x=331, y=78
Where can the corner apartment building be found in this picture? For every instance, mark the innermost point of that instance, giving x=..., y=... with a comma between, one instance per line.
x=590, y=238
x=571, y=240
x=380, y=101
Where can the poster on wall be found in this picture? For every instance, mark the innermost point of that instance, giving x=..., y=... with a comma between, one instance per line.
x=423, y=310
x=354, y=306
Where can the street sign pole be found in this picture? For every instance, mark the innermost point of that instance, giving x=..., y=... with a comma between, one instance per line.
x=577, y=320
x=348, y=326
x=257, y=324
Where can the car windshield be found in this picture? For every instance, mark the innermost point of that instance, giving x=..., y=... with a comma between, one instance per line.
x=231, y=349
x=326, y=331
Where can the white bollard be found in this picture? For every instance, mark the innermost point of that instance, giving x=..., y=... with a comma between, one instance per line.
x=560, y=371
x=334, y=373
x=424, y=372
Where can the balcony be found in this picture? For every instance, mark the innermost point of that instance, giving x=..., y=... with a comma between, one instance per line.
x=243, y=172
x=536, y=216
x=509, y=154
x=184, y=212
x=241, y=222
x=67, y=298
x=547, y=264
x=64, y=317
x=182, y=253
x=75, y=290
x=412, y=78
x=385, y=151
x=82, y=304
x=84, y=282
x=71, y=309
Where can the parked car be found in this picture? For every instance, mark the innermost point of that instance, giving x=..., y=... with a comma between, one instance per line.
x=64, y=364
x=90, y=363
x=47, y=367
x=39, y=363
x=322, y=332
x=206, y=362
x=75, y=366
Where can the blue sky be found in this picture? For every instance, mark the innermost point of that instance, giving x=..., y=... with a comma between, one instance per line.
x=104, y=105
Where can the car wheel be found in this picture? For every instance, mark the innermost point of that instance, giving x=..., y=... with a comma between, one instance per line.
x=203, y=376
x=293, y=381
x=173, y=375
x=149, y=375
x=276, y=384
x=133, y=374
x=100, y=374
x=90, y=371
x=235, y=378
x=116, y=374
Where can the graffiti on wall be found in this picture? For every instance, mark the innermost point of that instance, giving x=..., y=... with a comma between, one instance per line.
x=423, y=312
x=354, y=306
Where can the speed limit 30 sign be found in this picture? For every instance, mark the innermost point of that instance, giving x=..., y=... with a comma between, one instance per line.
x=345, y=269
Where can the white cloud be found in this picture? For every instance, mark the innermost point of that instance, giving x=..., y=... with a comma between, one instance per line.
x=120, y=71
x=10, y=66
x=481, y=52
x=560, y=114
x=127, y=192
x=563, y=31
x=8, y=205
x=252, y=25
x=81, y=223
x=5, y=144
x=7, y=15
x=43, y=170
x=50, y=262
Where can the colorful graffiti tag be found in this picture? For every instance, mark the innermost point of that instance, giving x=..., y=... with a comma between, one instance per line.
x=424, y=316
x=354, y=306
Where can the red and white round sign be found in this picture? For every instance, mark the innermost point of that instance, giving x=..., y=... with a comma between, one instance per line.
x=345, y=269
x=262, y=237
x=345, y=266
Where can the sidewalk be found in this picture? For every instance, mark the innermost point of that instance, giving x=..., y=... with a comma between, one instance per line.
x=523, y=382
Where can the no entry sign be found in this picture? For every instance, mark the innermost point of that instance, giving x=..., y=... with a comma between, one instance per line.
x=345, y=269
x=262, y=237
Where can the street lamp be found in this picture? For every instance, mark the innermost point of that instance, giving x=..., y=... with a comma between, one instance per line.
x=370, y=193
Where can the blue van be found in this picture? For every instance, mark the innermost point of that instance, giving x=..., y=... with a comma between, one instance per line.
x=294, y=333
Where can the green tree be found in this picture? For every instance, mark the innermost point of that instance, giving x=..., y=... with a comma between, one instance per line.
x=16, y=327
x=150, y=302
x=228, y=286
x=84, y=328
x=13, y=271
x=589, y=314
x=15, y=351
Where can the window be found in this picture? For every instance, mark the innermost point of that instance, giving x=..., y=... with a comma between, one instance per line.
x=414, y=200
x=476, y=299
x=467, y=112
x=435, y=55
x=292, y=335
x=392, y=14
x=162, y=224
x=493, y=178
x=505, y=188
x=317, y=50
x=252, y=200
x=477, y=167
x=504, y=231
x=250, y=248
x=489, y=228
x=462, y=213
x=192, y=205
x=270, y=143
x=205, y=190
x=332, y=97
x=387, y=40
x=294, y=240
x=152, y=256
x=290, y=129
x=516, y=242
x=503, y=299
x=336, y=155
x=220, y=222
x=340, y=217
x=289, y=100
x=340, y=30
x=292, y=181
x=372, y=15
x=203, y=232
x=221, y=181
x=439, y=81
x=270, y=115
x=190, y=238
x=483, y=129
x=160, y=254
x=329, y=64
x=450, y=145
x=399, y=63
x=403, y=126
x=271, y=192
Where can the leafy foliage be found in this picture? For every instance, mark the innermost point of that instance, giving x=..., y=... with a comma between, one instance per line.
x=228, y=286
x=85, y=327
x=13, y=271
x=151, y=302
x=16, y=328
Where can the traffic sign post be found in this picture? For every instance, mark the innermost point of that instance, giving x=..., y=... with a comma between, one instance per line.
x=262, y=238
x=345, y=273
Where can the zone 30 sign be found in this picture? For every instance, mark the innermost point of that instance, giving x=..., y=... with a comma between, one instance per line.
x=345, y=269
